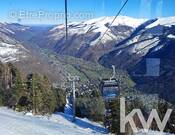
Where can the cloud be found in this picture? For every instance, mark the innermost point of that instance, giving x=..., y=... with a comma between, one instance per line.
x=145, y=8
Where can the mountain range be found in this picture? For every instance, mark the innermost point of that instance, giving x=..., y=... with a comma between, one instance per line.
x=130, y=44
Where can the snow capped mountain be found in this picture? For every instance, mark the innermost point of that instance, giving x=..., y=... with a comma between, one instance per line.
x=11, y=28
x=83, y=37
x=11, y=50
x=168, y=21
x=154, y=39
x=127, y=42
x=121, y=20
x=146, y=37
x=98, y=25
x=83, y=40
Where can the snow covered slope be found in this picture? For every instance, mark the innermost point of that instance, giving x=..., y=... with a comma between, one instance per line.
x=97, y=25
x=100, y=24
x=152, y=133
x=11, y=50
x=83, y=38
x=13, y=123
x=149, y=37
x=168, y=21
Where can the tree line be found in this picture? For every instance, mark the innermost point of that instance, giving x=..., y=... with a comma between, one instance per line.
x=33, y=92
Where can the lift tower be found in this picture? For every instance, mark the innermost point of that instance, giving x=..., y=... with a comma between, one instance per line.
x=73, y=80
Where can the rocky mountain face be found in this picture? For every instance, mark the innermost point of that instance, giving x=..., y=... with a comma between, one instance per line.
x=83, y=40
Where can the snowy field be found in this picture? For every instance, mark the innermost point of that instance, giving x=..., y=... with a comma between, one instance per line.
x=152, y=133
x=14, y=123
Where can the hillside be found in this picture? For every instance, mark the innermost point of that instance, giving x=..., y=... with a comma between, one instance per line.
x=152, y=40
x=127, y=45
x=57, y=124
x=16, y=48
x=11, y=49
x=13, y=123
x=83, y=36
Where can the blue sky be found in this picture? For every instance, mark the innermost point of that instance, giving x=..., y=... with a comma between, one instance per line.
x=51, y=11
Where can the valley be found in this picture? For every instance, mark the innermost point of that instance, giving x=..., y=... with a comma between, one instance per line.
x=142, y=51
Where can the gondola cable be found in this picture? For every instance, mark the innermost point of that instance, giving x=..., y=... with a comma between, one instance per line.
x=118, y=13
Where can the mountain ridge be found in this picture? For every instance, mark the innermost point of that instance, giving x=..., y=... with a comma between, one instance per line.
x=151, y=36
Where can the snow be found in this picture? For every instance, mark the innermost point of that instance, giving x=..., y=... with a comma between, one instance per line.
x=150, y=132
x=20, y=123
x=11, y=52
x=120, y=20
x=4, y=28
x=68, y=107
x=102, y=21
x=9, y=31
x=168, y=21
x=61, y=26
x=98, y=25
x=119, y=52
x=5, y=51
x=143, y=47
x=14, y=123
x=157, y=48
x=171, y=36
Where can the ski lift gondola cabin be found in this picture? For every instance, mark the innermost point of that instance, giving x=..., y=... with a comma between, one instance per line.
x=109, y=89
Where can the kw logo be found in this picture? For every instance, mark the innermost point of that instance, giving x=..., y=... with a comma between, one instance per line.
x=146, y=124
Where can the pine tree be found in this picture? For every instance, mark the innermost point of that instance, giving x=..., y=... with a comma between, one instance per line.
x=90, y=105
x=171, y=124
x=112, y=116
x=1, y=97
x=13, y=85
x=60, y=99
x=1, y=86
x=163, y=106
x=41, y=94
x=18, y=86
x=50, y=101
x=35, y=93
